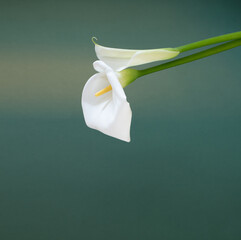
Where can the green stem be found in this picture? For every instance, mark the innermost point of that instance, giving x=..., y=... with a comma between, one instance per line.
x=209, y=41
x=190, y=58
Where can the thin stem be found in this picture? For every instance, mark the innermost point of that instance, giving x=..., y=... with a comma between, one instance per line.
x=193, y=57
x=210, y=41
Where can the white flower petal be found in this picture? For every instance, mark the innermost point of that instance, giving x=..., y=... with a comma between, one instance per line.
x=109, y=113
x=100, y=66
x=147, y=56
x=119, y=59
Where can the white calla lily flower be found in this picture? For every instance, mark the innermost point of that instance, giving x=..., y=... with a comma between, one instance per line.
x=109, y=113
x=119, y=59
x=104, y=101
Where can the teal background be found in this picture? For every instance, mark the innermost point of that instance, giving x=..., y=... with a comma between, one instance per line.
x=179, y=177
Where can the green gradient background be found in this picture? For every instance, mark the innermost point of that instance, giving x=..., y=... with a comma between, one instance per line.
x=179, y=178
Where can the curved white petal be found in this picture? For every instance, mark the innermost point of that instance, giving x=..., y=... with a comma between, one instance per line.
x=109, y=113
x=119, y=59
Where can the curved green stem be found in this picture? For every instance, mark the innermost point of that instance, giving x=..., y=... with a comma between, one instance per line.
x=190, y=58
x=209, y=41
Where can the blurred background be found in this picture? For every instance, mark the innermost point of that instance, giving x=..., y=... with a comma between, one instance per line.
x=179, y=177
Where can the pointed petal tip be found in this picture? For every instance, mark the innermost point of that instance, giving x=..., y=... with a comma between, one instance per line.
x=94, y=39
x=124, y=139
x=128, y=141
